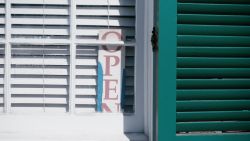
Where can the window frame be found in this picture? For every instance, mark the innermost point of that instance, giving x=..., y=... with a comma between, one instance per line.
x=141, y=119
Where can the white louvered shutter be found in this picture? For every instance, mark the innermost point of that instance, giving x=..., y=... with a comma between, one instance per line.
x=86, y=78
x=41, y=48
x=39, y=73
x=39, y=77
x=2, y=19
x=1, y=78
x=2, y=36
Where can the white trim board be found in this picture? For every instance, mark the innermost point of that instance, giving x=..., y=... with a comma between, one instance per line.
x=65, y=127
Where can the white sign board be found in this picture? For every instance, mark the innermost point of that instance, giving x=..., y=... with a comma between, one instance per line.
x=110, y=69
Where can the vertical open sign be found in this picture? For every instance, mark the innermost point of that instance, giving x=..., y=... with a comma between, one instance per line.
x=111, y=63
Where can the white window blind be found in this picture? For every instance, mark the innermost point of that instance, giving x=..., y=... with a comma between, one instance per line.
x=42, y=45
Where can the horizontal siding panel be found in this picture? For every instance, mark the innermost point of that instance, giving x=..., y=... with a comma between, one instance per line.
x=1, y=90
x=103, y=21
x=54, y=2
x=39, y=31
x=193, y=73
x=29, y=60
x=39, y=21
x=198, y=40
x=2, y=10
x=212, y=105
x=30, y=100
x=1, y=60
x=130, y=81
x=129, y=101
x=216, y=1
x=222, y=30
x=213, y=94
x=130, y=51
x=1, y=80
x=2, y=20
x=86, y=81
x=130, y=71
x=1, y=70
x=40, y=41
x=86, y=61
x=40, y=71
x=129, y=90
x=2, y=30
x=87, y=51
x=29, y=10
x=213, y=116
x=40, y=81
x=39, y=91
x=213, y=126
x=103, y=11
x=1, y=99
x=129, y=62
x=205, y=8
x=32, y=109
x=94, y=31
x=208, y=19
x=213, y=83
x=211, y=62
x=86, y=71
x=105, y=2
x=86, y=91
x=85, y=100
x=213, y=51
x=44, y=52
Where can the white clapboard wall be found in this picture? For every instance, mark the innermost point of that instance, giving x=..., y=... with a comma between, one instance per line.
x=40, y=73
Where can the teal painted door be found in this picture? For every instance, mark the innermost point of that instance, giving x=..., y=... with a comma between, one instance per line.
x=204, y=70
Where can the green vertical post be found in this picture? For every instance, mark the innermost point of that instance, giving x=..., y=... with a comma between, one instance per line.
x=167, y=70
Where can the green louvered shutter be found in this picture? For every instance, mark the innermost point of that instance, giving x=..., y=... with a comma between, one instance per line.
x=213, y=66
